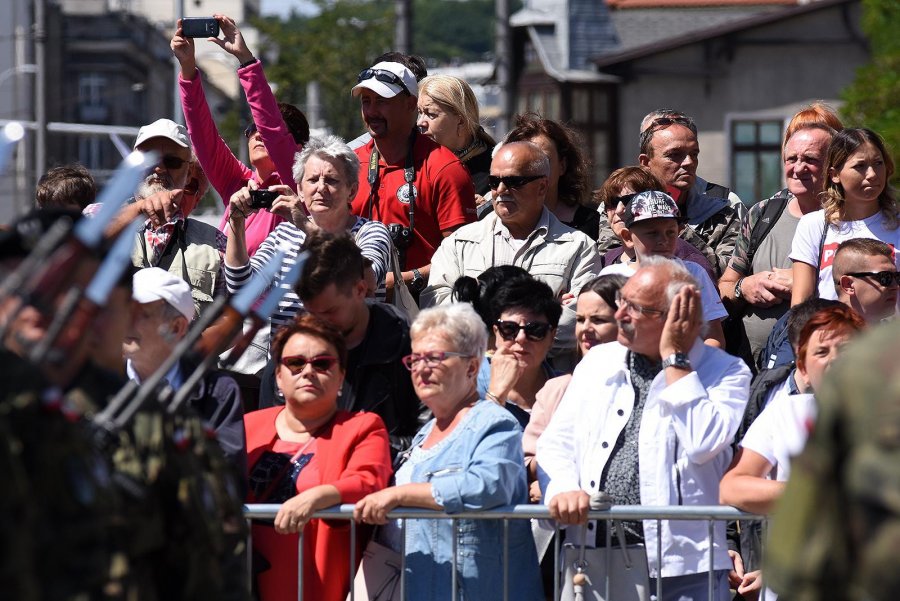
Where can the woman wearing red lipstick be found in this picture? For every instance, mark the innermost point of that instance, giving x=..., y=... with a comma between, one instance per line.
x=309, y=455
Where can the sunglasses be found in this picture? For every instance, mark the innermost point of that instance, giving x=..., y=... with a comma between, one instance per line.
x=172, y=162
x=634, y=309
x=382, y=76
x=884, y=278
x=431, y=360
x=666, y=121
x=320, y=363
x=534, y=330
x=512, y=182
x=250, y=130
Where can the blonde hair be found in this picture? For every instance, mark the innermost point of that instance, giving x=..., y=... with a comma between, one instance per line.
x=455, y=96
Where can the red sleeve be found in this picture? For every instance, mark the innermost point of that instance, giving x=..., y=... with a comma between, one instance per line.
x=225, y=172
x=279, y=142
x=368, y=458
x=454, y=195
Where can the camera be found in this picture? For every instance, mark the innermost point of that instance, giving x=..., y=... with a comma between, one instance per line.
x=262, y=199
x=199, y=27
x=401, y=235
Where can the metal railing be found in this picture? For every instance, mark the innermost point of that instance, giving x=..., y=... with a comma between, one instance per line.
x=711, y=514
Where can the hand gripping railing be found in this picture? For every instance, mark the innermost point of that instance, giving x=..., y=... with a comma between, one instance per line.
x=708, y=513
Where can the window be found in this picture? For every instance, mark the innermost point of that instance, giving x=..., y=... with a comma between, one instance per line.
x=756, y=158
x=92, y=106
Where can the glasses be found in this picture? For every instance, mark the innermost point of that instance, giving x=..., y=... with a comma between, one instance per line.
x=634, y=309
x=534, y=330
x=431, y=360
x=320, y=363
x=512, y=182
x=666, y=121
x=383, y=76
x=884, y=278
x=170, y=161
x=250, y=130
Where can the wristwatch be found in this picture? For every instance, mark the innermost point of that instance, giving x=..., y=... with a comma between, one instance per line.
x=418, y=282
x=679, y=360
x=737, y=289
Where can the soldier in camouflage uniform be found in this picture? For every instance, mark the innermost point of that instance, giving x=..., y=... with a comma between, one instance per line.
x=836, y=532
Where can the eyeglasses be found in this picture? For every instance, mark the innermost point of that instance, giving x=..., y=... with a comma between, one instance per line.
x=383, y=76
x=250, y=130
x=884, y=278
x=512, y=182
x=431, y=360
x=170, y=161
x=320, y=363
x=534, y=330
x=635, y=309
x=666, y=121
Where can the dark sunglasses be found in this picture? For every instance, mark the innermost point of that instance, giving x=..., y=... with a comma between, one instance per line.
x=884, y=278
x=666, y=121
x=320, y=363
x=534, y=330
x=382, y=76
x=173, y=162
x=250, y=130
x=512, y=182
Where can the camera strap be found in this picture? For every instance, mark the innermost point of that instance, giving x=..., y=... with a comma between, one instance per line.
x=409, y=175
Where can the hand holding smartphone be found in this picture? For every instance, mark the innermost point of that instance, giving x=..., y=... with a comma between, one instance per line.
x=199, y=27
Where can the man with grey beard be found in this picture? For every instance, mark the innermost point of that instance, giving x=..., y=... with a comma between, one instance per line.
x=170, y=239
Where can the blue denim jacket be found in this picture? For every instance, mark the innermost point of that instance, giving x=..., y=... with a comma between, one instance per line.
x=478, y=466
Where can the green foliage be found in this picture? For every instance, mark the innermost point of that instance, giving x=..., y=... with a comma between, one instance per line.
x=446, y=30
x=331, y=48
x=872, y=99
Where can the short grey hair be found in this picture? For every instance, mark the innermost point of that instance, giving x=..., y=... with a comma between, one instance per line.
x=678, y=278
x=459, y=323
x=328, y=147
x=539, y=163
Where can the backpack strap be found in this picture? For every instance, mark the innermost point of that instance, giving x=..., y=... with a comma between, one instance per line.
x=716, y=190
x=771, y=213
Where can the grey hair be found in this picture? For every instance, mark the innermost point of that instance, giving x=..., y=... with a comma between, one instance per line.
x=459, y=323
x=678, y=278
x=328, y=147
x=539, y=163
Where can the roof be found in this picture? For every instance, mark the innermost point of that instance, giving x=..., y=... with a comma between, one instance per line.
x=670, y=4
x=699, y=35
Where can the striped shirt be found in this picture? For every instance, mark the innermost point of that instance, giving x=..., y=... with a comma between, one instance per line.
x=372, y=238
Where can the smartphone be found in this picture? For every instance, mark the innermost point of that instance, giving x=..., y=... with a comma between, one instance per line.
x=262, y=199
x=199, y=27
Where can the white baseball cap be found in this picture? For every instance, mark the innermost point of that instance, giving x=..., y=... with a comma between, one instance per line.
x=152, y=284
x=386, y=79
x=163, y=128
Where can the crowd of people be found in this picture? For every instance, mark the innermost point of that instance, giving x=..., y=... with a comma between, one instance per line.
x=456, y=324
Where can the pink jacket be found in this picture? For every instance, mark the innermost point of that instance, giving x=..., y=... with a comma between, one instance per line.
x=225, y=172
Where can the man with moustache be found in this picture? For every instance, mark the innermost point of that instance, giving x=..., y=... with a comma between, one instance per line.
x=520, y=232
x=649, y=420
x=187, y=248
x=409, y=182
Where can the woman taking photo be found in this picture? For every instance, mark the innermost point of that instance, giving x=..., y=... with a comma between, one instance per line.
x=308, y=455
x=326, y=174
x=857, y=203
x=448, y=114
x=468, y=458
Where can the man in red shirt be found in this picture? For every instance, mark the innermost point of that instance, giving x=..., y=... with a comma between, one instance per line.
x=399, y=165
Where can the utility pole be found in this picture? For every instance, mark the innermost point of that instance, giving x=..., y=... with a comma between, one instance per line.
x=40, y=91
x=177, y=114
x=403, y=41
x=503, y=52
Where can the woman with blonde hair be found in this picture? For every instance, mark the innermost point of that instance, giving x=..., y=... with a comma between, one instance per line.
x=448, y=114
x=857, y=202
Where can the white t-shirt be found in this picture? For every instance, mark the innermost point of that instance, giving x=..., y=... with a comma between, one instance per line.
x=709, y=294
x=780, y=431
x=808, y=236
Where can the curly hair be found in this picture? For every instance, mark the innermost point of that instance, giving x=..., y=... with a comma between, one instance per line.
x=844, y=144
x=574, y=187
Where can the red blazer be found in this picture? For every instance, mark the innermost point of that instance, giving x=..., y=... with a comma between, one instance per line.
x=353, y=455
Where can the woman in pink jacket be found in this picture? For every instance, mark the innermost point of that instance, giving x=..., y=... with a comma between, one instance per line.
x=277, y=133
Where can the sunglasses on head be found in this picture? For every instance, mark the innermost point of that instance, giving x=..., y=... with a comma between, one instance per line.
x=250, y=130
x=534, y=330
x=382, y=76
x=320, y=363
x=884, y=278
x=512, y=182
x=170, y=161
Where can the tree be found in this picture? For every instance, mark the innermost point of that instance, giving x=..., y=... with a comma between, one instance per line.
x=871, y=100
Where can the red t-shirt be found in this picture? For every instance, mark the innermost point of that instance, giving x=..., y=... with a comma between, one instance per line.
x=444, y=196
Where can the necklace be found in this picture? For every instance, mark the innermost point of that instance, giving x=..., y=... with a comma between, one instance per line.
x=469, y=151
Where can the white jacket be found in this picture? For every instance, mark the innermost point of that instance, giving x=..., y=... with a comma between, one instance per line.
x=683, y=445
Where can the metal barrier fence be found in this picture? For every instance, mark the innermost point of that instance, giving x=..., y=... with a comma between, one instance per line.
x=709, y=513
